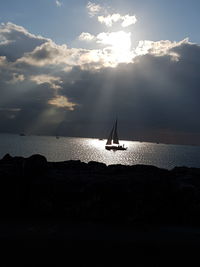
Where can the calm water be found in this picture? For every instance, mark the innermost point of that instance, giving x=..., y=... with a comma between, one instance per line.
x=88, y=149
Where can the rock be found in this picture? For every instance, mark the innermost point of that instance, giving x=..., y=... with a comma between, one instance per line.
x=7, y=158
x=92, y=191
x=35, y=163
x=96, y=165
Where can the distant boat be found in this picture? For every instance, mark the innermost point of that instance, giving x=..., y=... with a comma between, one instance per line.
x=100, y=139
x=57, y=137
x=22, y=134
x=113, y=140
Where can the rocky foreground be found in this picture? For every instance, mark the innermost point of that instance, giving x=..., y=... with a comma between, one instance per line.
x=93, y=192
x=72, y=203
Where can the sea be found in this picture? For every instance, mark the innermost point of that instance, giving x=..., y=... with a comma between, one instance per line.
x=90, y=149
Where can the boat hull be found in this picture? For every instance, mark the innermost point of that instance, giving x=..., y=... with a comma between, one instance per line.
x=115, y=148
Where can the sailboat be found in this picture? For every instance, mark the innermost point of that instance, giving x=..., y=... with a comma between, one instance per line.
x=113, y=140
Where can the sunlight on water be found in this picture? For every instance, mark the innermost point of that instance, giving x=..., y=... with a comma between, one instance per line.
x=89, y=149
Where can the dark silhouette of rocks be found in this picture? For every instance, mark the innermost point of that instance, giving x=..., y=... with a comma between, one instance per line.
x=36, y=164
x=107, y=215
x=93, y=192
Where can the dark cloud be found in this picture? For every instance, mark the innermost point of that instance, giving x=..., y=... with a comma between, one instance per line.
x=16, y=40
x=156, y=98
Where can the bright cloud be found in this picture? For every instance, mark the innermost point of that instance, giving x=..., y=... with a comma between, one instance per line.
x=110, y=19
x=62, y=102
x=159, y=48
x=86, y=36
x=93, y=8
x=128, y=20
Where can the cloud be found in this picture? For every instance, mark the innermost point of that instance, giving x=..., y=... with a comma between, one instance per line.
x=159, y=48
x=110, y=19
x=46, y=87
x=54, y=82
x=93, y=8
x=47, y=53
x=62, y=102
x=50, y=54
x=116, y=49
x=58, y=3
x=23, y=48
x=86, y=36
x=16, y=77
x=3, y=61
x=16, y=40
x=128, y=20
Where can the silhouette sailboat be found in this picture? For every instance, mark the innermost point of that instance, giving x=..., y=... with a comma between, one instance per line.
x=113, y=140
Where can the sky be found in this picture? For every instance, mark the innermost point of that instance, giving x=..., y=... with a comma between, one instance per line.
x=71, y=67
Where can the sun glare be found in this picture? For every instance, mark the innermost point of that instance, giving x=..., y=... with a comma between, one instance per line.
x=119, y=45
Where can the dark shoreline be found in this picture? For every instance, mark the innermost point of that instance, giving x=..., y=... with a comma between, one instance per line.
x=74, y=206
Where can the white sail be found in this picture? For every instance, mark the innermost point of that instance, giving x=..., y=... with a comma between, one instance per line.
x=109, y=141
x=115, y=135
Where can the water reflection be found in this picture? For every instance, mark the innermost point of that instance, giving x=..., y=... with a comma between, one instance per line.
x=88, y=149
